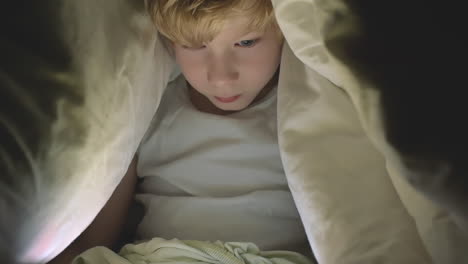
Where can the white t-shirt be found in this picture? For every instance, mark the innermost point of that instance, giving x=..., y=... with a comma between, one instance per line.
x=210, y=177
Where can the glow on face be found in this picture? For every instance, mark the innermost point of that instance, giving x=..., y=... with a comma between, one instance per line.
x=234, y=67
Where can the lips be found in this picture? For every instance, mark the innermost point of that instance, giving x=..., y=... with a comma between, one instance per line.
x=227, y=99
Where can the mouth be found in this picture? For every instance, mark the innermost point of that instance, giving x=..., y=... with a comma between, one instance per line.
x=227, y=99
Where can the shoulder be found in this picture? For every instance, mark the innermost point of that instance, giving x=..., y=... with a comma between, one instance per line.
x=169, y=106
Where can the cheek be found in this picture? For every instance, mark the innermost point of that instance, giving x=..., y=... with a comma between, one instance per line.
x=192, y=68
x=272, y=56
x=263, y=63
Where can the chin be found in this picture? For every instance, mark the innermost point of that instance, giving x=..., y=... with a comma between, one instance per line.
x=231, y=108
x=236, y=106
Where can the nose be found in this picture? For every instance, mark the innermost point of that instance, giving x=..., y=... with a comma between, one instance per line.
x=222, y=71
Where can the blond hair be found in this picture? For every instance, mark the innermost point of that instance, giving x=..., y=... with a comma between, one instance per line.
x=194, y=22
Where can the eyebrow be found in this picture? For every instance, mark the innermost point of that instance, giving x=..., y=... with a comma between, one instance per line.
x=251, y=33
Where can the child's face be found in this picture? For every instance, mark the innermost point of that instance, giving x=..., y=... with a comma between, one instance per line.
x=234, y=67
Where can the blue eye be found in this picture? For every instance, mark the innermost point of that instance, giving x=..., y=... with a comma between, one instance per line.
x=246, y=43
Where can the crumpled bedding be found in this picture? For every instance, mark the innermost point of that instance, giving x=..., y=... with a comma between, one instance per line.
x=159, y=250
x=78, y=94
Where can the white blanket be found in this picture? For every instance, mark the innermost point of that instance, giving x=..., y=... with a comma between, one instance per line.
x=344, y=175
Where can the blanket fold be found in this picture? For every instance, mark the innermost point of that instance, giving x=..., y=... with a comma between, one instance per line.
x=159, y=250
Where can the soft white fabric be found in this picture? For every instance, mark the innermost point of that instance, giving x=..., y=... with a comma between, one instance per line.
x=159, y=250
x=347, y=202
x=209, y=177
x=119, y=70
x=314, y=111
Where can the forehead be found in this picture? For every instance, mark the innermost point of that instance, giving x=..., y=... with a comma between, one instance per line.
x=235, y=27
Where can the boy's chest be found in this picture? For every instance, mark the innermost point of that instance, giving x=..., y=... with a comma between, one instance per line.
x=217, y=157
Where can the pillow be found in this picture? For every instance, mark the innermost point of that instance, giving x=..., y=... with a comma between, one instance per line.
x=80, y=82
x=320, y=32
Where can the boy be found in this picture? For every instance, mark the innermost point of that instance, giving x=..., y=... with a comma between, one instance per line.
x=212, y=150
x=210, y=163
